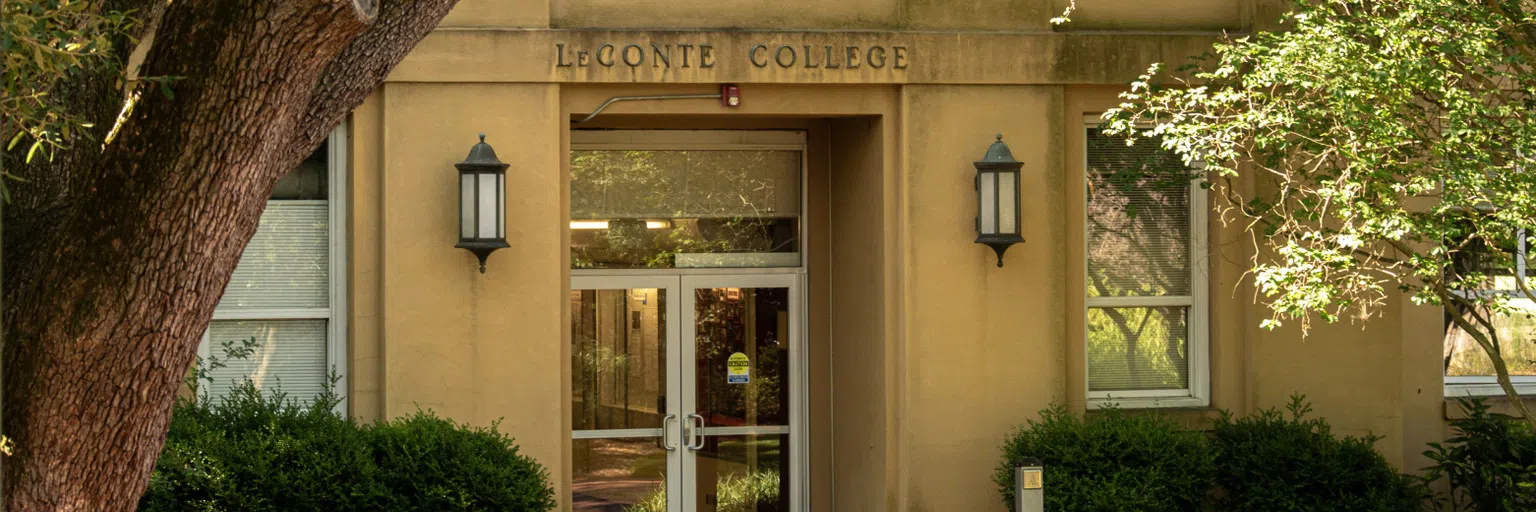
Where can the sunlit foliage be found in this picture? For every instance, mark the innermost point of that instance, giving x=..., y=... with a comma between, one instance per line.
x=41, y=43
x=1370, y=148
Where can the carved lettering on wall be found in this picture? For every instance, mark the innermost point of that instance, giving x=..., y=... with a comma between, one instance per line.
x=761, y=55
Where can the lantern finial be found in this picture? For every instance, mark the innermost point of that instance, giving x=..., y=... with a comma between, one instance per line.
x=999, y=136
x=482, y=137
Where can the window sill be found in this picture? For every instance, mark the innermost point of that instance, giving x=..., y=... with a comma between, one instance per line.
x=1488, y=389
x=1188, y=418
x=1497, y=402
x=1169, y=402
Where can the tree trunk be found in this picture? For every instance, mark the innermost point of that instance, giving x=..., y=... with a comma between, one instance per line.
x=119, y=253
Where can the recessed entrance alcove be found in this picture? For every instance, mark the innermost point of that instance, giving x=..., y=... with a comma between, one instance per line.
x=728, y=305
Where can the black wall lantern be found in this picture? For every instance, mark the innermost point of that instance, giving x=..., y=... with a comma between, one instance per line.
x=482, y=202
x=997, y=194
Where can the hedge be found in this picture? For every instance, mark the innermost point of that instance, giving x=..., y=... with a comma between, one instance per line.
x=252, y=451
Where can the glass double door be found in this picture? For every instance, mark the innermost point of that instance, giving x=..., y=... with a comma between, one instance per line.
x=685, y=393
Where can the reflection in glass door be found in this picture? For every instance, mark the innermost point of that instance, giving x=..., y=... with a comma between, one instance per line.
x=623, y=427
x=684, y=393
x=738, y=360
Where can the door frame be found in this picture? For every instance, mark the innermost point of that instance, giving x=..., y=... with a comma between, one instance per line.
x=799, y=408
x=674, y=280
x=670, y=431
x=681, y=343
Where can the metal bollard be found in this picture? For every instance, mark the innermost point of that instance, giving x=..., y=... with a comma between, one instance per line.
x=1027, y=492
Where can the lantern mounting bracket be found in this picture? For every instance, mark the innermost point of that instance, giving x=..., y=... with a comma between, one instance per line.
x=1000, y=247
x=482, y=250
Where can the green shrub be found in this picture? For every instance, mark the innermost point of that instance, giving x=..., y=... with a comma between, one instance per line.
x=255, y=451
x=1113, y=462
x=1264, y=462
x=1489, y=462
x=431, y=464
x=259, y=453
x=1271, y=461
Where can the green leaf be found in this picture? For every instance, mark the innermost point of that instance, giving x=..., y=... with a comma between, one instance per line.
x=33, y=150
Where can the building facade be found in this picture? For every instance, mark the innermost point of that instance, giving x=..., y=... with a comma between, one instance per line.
x=784, y=295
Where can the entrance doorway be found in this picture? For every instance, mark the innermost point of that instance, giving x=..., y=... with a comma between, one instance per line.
x=688, y=346
x=703, y=416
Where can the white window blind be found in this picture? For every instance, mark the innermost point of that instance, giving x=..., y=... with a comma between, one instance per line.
x=291, y=356
x=287, y=263
x=1145, y=295
x=283, y=293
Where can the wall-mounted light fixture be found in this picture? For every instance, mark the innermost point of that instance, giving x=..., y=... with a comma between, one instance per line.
x=997, y=194
x=482, y=202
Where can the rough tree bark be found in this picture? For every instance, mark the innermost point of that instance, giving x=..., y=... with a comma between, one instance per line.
x=117, y=254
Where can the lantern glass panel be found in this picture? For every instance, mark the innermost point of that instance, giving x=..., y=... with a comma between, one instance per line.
x=501, y=205
x=466, y=206
x=488, y=208
x=1007, y=207
x=988, y=203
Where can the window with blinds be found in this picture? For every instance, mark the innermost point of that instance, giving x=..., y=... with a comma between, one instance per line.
x=281, y=293
x=1146, y=304
x=1503, y=265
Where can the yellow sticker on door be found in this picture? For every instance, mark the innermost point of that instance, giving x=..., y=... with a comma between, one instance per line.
x=737, y=369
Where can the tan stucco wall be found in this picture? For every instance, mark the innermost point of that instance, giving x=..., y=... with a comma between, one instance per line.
x=428, y=329
x=857, y=14
x=924, y=354
x=365, y=367
x=862, y=295
x=983, y=345
x=724, y=13
x=498, y=13
x=1143, y=15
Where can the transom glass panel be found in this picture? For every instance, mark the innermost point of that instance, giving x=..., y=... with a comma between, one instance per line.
x=685, y=208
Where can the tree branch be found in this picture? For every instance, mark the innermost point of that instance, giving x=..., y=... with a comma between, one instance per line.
x=1490, y=348
x=352, y=75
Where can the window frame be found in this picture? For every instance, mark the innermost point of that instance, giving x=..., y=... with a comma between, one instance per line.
x=335, y=315
x=1459, y=386
x=1197, y=393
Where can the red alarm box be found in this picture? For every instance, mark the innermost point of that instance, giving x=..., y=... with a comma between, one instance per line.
x=730, y=95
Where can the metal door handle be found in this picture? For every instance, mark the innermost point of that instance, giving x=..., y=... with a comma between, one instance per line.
x=696, y=434
x=666, y=432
